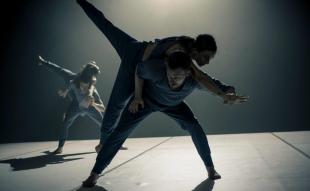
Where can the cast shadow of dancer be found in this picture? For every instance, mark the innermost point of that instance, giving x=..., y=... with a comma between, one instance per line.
x=95, y=188
x=40, y=161
x=206, y=185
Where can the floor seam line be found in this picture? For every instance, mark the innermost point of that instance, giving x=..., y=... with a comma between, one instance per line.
x=140, y=154
x=291, y=145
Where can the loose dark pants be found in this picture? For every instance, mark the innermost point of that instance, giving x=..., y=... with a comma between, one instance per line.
x=70, y=116
x=181, y=113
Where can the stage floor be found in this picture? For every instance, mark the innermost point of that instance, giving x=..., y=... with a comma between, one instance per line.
x=258, y=161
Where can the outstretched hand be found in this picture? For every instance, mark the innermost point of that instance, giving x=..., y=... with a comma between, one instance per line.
x=40, y=60
x=231, y=98
x=135, y=105
x=62, y=93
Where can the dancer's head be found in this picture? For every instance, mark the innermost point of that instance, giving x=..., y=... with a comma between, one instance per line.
x=201, y=49
x=87, y=76
x=178, y=67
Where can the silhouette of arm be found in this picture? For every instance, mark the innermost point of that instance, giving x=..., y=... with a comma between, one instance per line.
x=66, y=74
x=212, y=84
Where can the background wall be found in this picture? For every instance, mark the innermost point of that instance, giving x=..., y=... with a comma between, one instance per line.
x=263, y=52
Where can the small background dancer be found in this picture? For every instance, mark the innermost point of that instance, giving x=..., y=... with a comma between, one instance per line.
x=83, y=93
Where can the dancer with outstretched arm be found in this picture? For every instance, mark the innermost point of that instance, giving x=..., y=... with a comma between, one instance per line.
x=167, y=84
x=80, y=87
x=132, y=51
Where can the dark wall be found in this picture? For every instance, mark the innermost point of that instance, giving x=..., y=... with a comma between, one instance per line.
x=263, y=52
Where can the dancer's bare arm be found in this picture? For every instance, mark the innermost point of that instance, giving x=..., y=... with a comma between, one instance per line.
x=97, y=102
x=63, y=93
x=227, y=93
x=138, y=100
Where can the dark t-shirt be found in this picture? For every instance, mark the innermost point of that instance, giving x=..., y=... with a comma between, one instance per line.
x=162, y=45
x=160, y=53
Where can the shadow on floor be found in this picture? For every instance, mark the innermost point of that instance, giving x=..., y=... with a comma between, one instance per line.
x=40, y=161
x=95, y=188
x=206, y=185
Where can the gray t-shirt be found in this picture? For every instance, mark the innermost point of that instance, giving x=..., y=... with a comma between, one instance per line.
x=74, y=93
x=78, y=96
x=156, y=87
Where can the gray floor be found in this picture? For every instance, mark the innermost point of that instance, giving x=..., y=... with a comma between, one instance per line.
x=259, y=161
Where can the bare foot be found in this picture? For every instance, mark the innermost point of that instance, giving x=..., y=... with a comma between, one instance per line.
x=213, y=175
x=98, y=148
x=91, y=180
x=57, y=151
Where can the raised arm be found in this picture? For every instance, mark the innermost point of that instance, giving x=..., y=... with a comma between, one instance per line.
x=66, y=74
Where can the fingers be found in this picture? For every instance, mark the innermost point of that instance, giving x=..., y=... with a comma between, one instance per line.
x=242, y=99
x=235, y=99
x=135, y=105
x=40, y=58
x=60, y=93
x=142, y=105
x=132, y=108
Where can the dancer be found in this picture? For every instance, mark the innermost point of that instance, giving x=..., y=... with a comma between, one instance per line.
x=131, y=52
x=83, y=93
x=166, y=86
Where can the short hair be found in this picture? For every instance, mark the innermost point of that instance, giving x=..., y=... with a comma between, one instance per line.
x=88, y=73
x=91, y=68
x=179, y=59
x=205, y=42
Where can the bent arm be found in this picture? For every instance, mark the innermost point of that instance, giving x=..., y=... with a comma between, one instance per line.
x=98, y=104
x=210, y=83
x=99, y=107
x=139, y=83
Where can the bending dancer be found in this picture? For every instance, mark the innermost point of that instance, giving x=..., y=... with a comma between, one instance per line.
x=81, y=89
x=131, y=52
x=166, y=86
